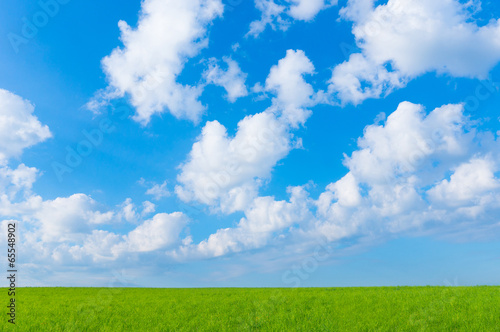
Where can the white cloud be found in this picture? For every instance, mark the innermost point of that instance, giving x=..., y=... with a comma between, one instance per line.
x=470, y=183
x=276, y=14
x=13, y=181
x=264, y=217
x=168, y=33
x=228, y=171
x=159, y=232
x=128, y=211
x=346, y=191
x=232, y=79
x=397, y=181
x=98, y=246
x=286, y=79
x=271, y=14
x=407, y=140
x=67, y=218
x=359, y=78
x=65, y=230
x=147, y=208
x=19, y=128
x=293, y=93
x=306, y=10
x=158, y=191
x=357, y=10
x=412, y=38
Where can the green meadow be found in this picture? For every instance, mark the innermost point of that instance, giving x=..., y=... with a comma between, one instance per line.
x=256, y=309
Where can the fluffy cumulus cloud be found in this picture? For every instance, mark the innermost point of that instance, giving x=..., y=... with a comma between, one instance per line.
x=67, y=218
x=154, y=54
x=402, y=39
x=359, y=78
x=414, y=172
x=161, y=231
x=19, y=180
x=472, y=183
x=96, y=247
x=231, y=79
x=19, y=128
x=292, y=93
x=277, y=14
x=226, y=172
x=264, y=219
x=407, y=140
x=70, y=229
x=101, y=246
x=129, y=212
x=61, y=220
x=158, y=191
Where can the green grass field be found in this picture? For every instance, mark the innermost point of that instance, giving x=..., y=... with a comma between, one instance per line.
x=271, y=309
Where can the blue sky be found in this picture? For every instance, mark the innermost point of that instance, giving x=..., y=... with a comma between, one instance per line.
x=251, y=143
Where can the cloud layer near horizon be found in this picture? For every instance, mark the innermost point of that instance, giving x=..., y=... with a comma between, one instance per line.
x=415, y=172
